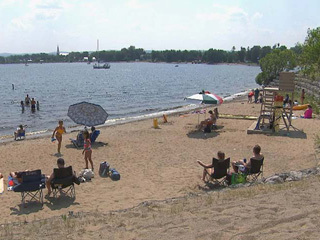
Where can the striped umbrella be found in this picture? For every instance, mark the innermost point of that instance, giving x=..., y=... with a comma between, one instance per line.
x=206, y=98
x=88, y=114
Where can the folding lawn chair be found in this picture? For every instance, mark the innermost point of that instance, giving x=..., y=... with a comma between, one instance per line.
x=256, y=169
x=31, y=186
x=63, y=182
x=221, y=169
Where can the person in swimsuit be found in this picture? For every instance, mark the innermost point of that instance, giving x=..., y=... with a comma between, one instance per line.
x=247, y=165
x=87, y=151
x=58, y=132
x=208, y=168
x=27, y=100
x=33, y=105
x=209, y=121
x=22, y=106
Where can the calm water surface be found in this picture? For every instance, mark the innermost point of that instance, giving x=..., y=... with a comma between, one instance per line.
x=126, y=89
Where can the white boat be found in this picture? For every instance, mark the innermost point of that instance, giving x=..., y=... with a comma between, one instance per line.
x=97, y=65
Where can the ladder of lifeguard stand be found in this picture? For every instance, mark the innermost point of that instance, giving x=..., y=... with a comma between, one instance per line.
x=266, y=111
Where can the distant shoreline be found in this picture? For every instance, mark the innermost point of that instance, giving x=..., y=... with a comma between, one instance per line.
x=177, y=63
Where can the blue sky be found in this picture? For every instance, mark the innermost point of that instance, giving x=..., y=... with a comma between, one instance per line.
x=39, y=25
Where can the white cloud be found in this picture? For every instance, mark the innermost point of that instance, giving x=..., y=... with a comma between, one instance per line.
x=135, y=4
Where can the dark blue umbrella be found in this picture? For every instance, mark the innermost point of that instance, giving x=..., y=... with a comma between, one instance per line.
x=88, y=114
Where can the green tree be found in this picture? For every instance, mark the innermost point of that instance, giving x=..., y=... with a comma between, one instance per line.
x=274, y=63
x=310, y=57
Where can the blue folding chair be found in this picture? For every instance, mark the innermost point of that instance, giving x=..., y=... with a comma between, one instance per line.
x=31, y=186
x=94, y=135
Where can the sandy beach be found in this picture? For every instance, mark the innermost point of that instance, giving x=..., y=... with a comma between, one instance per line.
x=159, y=164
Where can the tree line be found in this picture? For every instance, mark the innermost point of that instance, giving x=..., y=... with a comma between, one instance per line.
x=243, y=55
x=306, y=56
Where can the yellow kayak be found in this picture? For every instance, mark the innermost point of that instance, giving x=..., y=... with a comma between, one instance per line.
x=300, y=107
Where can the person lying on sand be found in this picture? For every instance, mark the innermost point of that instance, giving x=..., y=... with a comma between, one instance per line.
x=247, y=165
x=208, y=169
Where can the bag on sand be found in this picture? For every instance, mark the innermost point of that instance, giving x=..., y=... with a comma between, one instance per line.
x=87, y=174
x=104, y=169
x=207, y=129
x=115, y=175
x=237, y=178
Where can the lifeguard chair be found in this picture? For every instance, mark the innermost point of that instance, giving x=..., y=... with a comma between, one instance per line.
x=273, y=113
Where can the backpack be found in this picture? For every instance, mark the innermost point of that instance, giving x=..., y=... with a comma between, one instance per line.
x=207, y=129
x=115, y=175
x=104, y=169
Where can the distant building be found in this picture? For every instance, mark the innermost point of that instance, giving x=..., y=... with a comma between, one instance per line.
x=58, y=51
x=85, y=59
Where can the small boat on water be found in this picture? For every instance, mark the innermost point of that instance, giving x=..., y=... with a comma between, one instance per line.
x=104, y=66
x=97, y=65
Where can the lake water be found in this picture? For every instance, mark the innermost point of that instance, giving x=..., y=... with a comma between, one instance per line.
x=124, y=90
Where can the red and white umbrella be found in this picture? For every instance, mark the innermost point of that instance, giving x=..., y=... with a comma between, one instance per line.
x=206, y=98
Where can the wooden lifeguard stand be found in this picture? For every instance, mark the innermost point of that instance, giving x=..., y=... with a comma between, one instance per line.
x=271, y=113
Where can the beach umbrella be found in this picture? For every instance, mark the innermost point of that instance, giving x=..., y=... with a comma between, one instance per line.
x=88, y=114
x=206, y=98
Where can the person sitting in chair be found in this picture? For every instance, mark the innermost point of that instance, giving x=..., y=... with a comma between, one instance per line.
x=208, y=168
x=19, y=132
x=209, y=121
x=247, y=165
x=60, y=163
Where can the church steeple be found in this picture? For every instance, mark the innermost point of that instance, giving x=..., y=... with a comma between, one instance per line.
x=58, y=52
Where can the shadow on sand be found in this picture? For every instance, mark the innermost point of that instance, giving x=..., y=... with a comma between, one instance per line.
x=201, y=135
x=59, y=203
x=290, y=134
x=94, y=145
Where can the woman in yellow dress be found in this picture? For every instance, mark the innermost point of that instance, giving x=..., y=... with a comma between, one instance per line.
x=58, y=132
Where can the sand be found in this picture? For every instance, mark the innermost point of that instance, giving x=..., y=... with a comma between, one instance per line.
x=158, y=164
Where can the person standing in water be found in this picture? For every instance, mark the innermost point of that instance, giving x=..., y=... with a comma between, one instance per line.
x=22, y=106
x=33, y=105
x=12, y=86
x=38, y=105
x=58, y=133
x=27, y=100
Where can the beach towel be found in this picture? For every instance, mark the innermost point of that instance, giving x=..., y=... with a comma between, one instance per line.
x=1, y=185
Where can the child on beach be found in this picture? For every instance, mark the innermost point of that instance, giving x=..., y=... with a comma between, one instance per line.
x=19, y=131
x=208, y=169
x=247, y=165
x=58, y=133
x=87, y=151
x=250, y=96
